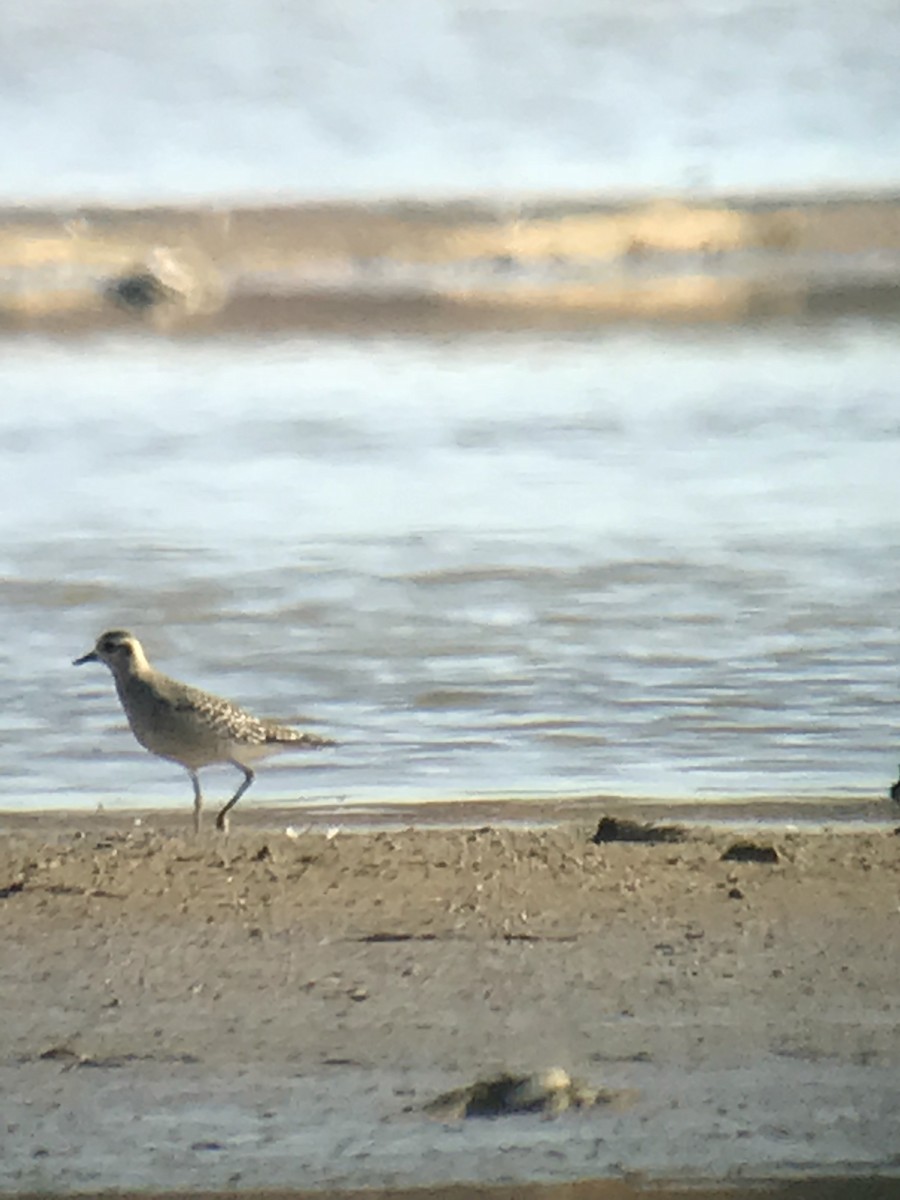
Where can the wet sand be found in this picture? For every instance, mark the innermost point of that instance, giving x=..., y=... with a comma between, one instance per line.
x=274, y=1010
x=457, y=266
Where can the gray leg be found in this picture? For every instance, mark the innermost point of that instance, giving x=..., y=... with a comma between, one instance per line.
x=222, y=818
x=198, y=799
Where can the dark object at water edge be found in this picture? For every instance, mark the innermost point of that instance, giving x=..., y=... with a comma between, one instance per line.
x=895, y=792
x=138, y=291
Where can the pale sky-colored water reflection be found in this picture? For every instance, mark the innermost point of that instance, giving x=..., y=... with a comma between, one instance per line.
x=661, y=565
x=157, y=99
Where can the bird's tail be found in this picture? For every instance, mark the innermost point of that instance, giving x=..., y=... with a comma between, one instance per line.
x=284, y=736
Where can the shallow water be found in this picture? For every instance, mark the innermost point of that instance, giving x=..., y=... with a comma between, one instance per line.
x=156, y=98
x=649, y=564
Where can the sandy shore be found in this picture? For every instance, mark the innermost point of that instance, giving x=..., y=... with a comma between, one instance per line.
x=274, y=1011
x=420, y=268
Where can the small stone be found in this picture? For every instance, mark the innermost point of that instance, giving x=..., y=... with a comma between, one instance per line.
x=616, y=829
x=138, y=290
x=549, y=1092
x=750, y=852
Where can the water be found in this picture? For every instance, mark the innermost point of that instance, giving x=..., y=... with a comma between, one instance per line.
x=657, y=564
x=158, y=98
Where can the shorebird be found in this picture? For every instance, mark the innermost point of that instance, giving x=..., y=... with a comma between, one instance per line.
x=189, y=726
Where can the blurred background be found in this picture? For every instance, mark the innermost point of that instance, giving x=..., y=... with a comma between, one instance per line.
x=236, y=100
x=506, y=389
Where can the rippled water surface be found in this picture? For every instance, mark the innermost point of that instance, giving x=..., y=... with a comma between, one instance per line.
x=655, y=565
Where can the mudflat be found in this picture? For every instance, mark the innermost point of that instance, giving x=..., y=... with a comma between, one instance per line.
x=276, y=1008
x=565, y=263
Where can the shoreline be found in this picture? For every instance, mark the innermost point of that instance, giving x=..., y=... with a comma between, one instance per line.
x=825, y=1187
x=539, y=813
x=467, y=266
x=276, y=1012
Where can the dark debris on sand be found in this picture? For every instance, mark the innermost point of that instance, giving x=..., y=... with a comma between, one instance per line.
x=617, y=829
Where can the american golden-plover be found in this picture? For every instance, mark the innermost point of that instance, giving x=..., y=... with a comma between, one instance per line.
x=187, y=725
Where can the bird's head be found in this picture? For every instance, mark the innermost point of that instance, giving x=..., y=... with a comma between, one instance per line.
x=120, y=650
